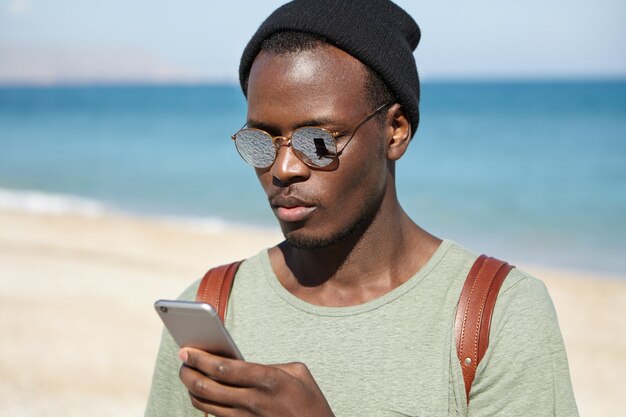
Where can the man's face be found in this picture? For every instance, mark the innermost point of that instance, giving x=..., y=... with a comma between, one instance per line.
x=322, y=87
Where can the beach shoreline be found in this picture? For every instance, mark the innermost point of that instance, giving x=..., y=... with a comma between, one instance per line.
x=80, y=337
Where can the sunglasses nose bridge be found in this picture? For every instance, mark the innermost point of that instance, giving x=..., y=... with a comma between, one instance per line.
x=281, y=141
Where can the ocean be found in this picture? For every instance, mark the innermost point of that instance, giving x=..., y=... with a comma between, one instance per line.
x=532, y=172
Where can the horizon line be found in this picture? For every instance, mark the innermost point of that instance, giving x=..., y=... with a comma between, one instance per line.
x=224, y=83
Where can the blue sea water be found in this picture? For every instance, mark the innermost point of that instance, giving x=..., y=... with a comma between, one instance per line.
x=527, y=171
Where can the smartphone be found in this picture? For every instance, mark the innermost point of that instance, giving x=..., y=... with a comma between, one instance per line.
x=197, y=325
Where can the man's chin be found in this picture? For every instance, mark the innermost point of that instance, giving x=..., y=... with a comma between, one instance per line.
x=300, y=240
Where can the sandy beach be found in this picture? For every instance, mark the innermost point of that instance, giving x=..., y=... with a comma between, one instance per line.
x=79, y=334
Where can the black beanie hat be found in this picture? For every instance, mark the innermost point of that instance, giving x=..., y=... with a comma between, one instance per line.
x=378, y=33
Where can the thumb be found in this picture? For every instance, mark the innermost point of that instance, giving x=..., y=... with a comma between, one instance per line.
x=295, y=369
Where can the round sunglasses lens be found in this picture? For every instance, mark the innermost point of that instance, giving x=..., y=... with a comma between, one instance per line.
x=255, y=147
x=315, y=146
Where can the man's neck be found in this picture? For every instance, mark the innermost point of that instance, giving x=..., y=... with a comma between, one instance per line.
x=370, y=262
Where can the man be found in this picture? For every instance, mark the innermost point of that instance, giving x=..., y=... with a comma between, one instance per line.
x=352, y=315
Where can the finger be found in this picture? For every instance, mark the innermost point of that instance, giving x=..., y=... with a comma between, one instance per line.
x=297, y=370
x=207, y=392
x=218, y=399
x=233, y=372
x=218, y=410
x=301, y=373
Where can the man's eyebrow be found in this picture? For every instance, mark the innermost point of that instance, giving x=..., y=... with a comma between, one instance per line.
x=322, y=121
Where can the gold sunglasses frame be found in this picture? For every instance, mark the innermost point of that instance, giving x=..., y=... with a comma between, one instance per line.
x=279, y=141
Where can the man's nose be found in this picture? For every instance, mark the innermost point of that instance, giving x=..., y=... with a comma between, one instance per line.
x=287, y=167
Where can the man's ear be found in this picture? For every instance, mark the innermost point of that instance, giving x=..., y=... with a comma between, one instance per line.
x=399, y=129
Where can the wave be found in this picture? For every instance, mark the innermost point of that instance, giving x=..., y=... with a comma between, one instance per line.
x=37, y=202
x=57, y=204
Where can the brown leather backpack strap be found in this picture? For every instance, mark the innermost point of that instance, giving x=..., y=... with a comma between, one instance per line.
x=216, y=285
x=215, y=288
x=474, y=311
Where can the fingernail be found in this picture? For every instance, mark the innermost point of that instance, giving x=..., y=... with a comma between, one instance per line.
x=183, y=355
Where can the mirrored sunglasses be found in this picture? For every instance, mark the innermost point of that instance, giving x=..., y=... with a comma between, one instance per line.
x=315, y=146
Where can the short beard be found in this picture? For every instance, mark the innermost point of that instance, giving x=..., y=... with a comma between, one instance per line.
x=320, y=242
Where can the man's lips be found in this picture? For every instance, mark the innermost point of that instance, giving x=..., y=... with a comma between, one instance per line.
x=293, y=214
x=291, y=209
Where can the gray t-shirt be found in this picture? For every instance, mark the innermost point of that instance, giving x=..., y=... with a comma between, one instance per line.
x=395, y=355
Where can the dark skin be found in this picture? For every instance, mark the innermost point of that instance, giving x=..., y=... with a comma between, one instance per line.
x=351, y=241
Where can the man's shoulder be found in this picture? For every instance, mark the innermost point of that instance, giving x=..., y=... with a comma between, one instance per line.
x=250, y=265
x=189, y=294
x=520, y=281
x=459, y=257
x=519, y=285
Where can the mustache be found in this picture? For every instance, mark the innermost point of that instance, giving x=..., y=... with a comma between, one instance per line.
x=291, y=198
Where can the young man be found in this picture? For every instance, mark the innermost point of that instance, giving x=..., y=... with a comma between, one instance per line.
x=353, y=313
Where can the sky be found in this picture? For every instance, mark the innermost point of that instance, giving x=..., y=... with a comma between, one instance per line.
x=82, y=41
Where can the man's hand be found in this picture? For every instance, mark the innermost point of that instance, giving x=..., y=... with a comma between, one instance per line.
x=227, y=387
